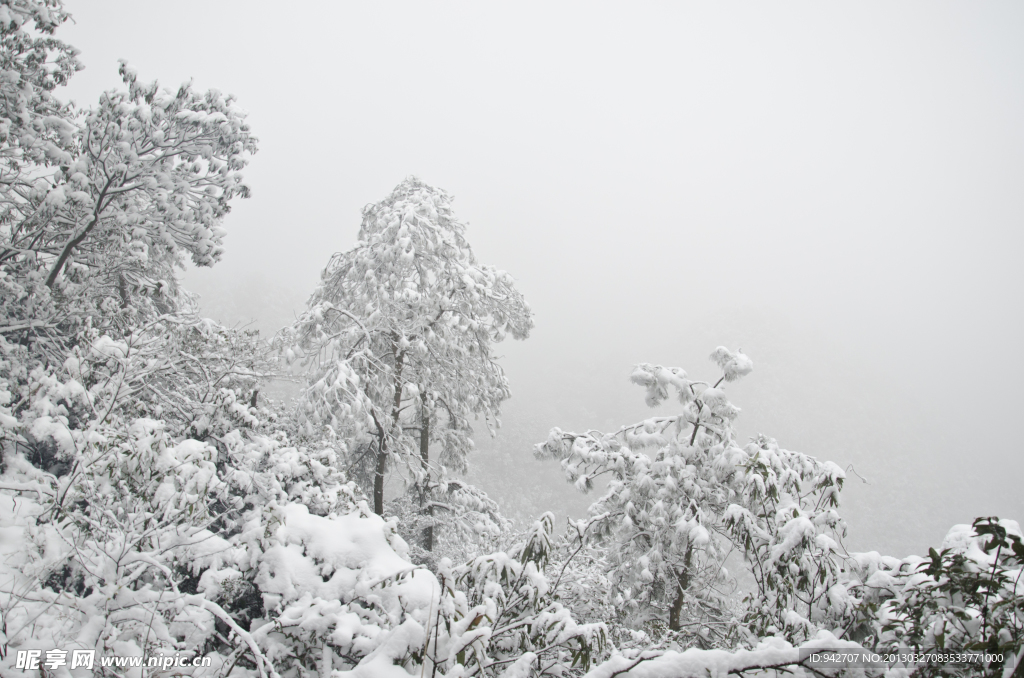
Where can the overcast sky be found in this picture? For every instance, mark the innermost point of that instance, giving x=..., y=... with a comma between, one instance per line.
x=836, y=188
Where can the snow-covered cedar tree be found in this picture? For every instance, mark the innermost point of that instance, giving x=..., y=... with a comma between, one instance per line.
x=683, y=495
x=398, y=341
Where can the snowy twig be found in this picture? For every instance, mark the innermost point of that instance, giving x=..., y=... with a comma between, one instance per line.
x=35, y=324
x=262, y=663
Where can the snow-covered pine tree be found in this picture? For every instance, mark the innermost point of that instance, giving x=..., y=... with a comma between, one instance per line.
x=104, y=203
x=398, y=339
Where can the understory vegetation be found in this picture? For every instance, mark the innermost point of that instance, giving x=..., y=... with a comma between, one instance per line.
x=154, y=502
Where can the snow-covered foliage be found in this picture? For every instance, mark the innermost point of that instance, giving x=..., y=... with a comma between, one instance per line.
x=499, y=615
x=100, y=205
x=683, y=495
x=471, y=522
x=966, y=597
x=397, y=339
x=769, y=657
x=240, y=547
x=151, y=503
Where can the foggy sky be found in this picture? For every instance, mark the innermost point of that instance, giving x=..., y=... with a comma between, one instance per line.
x=837, y=189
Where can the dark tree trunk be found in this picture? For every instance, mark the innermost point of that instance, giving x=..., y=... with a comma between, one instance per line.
x=382, y=447
x=683, y=580
x=70, y=246
x=382, y=465
x=428, y=533
x=378, y=480
x=122, y=290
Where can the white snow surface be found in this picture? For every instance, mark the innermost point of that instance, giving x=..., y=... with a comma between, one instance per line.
x=771, y=652
x=963, y=538
x=352, y=552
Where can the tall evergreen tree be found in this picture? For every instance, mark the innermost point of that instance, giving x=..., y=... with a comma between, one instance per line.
x=399, y=336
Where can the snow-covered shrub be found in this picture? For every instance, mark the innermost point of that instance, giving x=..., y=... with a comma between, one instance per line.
x=147, y=544
x=968, y=597
x=499, y=616
x=97, y=553
x=787, y=526
x=683, y=495
x=462, y=521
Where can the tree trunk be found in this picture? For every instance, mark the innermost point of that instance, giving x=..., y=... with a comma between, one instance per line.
x=428, y=533
x=70, y=246
x=382, y=448
x=378, y=480
x=122, y=290
x=675, y=612
x=378, y=476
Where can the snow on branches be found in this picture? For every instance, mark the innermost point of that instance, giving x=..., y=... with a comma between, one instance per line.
x=98, y=206
x=151, y=504
x=966, y=597
x=683, y=495
x=397, y=338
